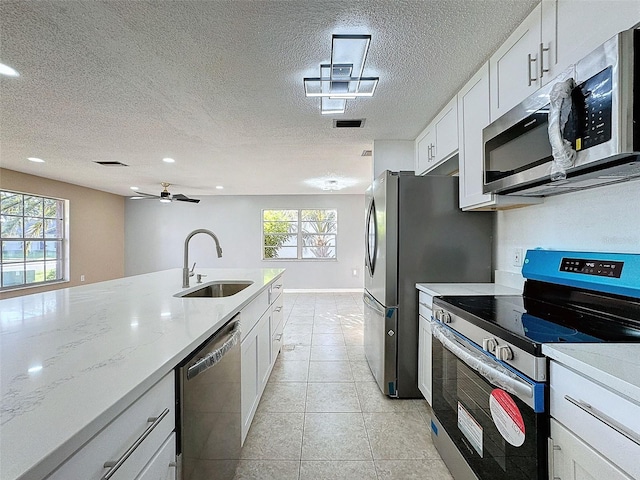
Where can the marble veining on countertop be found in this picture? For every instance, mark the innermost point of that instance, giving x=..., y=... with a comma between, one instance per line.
x=72, y=359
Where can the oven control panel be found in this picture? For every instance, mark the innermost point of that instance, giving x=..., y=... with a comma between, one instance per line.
x=592, y=267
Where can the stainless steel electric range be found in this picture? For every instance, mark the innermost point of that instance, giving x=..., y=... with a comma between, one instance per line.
x=490, y=378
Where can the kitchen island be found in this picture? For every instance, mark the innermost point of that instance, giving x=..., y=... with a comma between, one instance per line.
x=72, y=360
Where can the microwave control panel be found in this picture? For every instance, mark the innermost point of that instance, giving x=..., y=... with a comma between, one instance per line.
x=589, y=122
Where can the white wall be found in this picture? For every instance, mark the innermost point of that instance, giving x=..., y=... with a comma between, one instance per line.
x=394, y=155
x=155, y=233
x=602, y=219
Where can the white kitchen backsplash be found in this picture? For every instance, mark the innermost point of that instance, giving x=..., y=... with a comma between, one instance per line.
x=602, y=219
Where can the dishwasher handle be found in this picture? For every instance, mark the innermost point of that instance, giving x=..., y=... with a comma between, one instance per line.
x=216, y=356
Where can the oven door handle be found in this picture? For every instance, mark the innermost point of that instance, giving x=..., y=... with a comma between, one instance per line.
x=492, y=371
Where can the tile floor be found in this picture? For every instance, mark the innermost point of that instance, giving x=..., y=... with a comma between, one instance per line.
x=322, y=415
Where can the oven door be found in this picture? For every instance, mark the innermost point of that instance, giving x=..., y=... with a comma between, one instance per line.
x=489, y=422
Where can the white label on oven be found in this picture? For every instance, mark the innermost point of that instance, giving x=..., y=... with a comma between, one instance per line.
x=470, y=428
x=507, y=417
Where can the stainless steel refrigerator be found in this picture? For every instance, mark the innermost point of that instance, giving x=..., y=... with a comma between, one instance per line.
x=415, y=233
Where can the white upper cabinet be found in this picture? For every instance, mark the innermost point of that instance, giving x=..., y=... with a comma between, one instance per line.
x=439, y=141
x=473, y=116
x=514, y=68
x=571, y=29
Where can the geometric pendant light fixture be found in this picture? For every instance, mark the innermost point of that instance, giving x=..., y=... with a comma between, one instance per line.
x=342, y=79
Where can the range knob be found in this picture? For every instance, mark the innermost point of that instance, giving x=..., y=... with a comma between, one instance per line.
x=504, y=353
x=489, y=344
x=443, y=316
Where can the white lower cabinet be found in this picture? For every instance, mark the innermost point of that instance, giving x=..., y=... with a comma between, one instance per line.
x=131, y=442
x=258, y=348
x=595, y=432
x=570, y=458
x=424, y=346
x=163, y=465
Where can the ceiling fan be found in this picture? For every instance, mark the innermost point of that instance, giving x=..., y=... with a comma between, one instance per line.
x=165, y=195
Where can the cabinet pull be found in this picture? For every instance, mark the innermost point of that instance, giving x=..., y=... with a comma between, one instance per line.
x=604, y=418
x=550, y=465
x=279, y=309
x=542, y=50
x=530, y=61
x=115, y=465
x=424, y=305
x=278, y=287
x=433, y=151
x=279, y=337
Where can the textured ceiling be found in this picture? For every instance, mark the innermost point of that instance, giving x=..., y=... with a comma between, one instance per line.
x=217, y=85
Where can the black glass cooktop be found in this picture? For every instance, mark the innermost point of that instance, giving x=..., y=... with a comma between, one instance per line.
x=553, y=315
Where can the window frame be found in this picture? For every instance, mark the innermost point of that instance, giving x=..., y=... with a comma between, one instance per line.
x=299, y=236
x=62, y=255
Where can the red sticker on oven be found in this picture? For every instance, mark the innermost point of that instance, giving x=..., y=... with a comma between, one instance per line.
x=507, y=417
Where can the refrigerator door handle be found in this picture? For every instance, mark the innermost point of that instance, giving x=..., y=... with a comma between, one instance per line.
x=372, y=304
x=371, y=238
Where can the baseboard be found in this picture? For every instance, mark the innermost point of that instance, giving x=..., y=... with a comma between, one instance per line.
x=324, y=290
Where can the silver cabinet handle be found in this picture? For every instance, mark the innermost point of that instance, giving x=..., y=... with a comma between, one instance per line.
x=279, y=337
x=542, y=50
x=551, y=447
x=429, y=153
x=424, y=305
x=278, y=287
x=604, y=418
x=530, y=61
x=279, y=309
x=433, y=151
x=113, y=466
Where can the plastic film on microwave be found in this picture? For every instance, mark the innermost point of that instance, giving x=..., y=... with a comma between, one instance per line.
x=559, y=109
x=491, y=370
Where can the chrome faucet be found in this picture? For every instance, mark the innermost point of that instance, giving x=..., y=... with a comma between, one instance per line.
x=186, y=273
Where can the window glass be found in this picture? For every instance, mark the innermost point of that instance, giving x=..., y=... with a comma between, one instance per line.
x=299, y=234
x=27, y=258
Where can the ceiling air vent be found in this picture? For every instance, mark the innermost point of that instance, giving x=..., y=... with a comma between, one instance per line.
x=348, y=123
x=112, y=164
x=367, y=153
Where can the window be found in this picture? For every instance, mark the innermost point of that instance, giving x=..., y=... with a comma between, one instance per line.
x=32, y=238
x=299, y=234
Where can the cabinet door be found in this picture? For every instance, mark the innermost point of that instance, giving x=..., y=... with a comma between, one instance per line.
x=263, y=334
x=572, y=459
x=163, y=465
x=425, y=144
x=446, y=132
x=424, y=358
x=514, y=67
x=249, y=381
x=473, y=116
x=571, y=29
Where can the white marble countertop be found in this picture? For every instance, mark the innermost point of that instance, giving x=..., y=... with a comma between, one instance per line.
x=436, y=289
x=616, y=366
x=71, y=360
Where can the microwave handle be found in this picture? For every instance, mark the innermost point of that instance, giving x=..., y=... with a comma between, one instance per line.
x=490, y=369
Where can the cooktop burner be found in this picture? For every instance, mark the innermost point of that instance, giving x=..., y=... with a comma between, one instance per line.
x=539, y=321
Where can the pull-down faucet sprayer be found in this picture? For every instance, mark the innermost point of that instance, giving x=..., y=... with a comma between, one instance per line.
x=186, y=273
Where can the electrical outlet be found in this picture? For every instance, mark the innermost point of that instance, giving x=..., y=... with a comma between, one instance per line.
x=82, y=278
x=354, y=272
x=517, y=257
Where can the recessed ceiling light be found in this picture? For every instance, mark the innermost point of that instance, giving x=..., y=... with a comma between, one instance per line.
x=219, y=187
x=8, y=71
x=35, y=160
x=134, y=188
x=168, y=160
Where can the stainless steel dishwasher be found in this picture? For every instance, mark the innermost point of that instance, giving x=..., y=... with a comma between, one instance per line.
x=209, y=421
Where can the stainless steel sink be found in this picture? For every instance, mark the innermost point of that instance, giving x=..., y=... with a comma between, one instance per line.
x=215, y=289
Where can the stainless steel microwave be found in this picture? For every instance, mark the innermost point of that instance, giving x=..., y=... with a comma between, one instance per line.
x=602, y=128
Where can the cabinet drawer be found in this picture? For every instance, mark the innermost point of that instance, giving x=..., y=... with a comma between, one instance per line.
x=275, y=289
x=163, y=465
x=606, y=421
x=250, y=314
x=133, y=428
x=425, y=304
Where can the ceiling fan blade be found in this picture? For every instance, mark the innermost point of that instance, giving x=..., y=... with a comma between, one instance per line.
x=143, y=196
x=183, y=198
